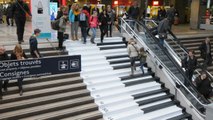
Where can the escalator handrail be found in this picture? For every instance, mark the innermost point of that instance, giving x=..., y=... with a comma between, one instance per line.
x=173, y=61
x=168, y=71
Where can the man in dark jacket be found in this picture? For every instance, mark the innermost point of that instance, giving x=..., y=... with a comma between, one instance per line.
x=19, y=11
x=163, y=27
x=133, y=13
x=203, y=85
x=190, y=64
x=171, y=15
x=3, y=56
x=84, y=23
x=205, y=50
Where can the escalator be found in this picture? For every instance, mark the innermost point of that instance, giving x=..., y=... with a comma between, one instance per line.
x=142, y=32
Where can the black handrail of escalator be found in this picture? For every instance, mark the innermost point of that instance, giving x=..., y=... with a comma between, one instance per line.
x=172, y=60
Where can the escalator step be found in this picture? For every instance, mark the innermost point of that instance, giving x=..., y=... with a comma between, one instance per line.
x=181, y=117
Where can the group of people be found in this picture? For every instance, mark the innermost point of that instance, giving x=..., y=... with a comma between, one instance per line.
x=87, y=19
x=19, y=54
x=190, y=64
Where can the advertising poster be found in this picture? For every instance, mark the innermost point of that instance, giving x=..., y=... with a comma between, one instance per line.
x=41, y=17
x=10, y=70
x=53, y=10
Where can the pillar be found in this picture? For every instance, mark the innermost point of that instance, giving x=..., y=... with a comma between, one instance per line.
x=195, y=13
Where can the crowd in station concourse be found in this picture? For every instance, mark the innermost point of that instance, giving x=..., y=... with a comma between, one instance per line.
x=89, y=20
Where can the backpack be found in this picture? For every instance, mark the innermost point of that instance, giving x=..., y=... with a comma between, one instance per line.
x=55, y=24
x=82, y=16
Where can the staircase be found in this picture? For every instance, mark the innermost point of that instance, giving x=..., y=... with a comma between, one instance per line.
x=53, y=97
x=191, y=44
x=106, y=69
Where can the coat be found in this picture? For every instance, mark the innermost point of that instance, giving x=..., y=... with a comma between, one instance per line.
x=132, y=50
x=62, y=24
x=93, y=21
x=203, y=86
x=19, y=10
x=142, y=57
x=133, y=12
x=71, y=16
x=189, y=63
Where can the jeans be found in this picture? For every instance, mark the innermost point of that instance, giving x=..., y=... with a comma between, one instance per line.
x=132, y=24
x=161, y=41
x=3, y=84
x=84, y=33
x=74, y=28
x=109, y=31
x=142, y=65
x=93, y=33
x=132, y=61
x=20, y=83
x=189, y=74
x=103, y=31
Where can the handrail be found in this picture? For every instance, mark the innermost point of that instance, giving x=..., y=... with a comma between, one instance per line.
x=170, y=73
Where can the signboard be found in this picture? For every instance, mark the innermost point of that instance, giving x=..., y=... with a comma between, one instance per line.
x=41, y=17
x=10, y=70
x=53, y=10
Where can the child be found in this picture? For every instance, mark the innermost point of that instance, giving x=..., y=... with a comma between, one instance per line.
x=142, y=57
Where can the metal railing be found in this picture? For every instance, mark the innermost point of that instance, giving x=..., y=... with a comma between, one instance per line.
x=129, y=30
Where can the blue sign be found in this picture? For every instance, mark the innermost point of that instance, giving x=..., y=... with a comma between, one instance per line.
x=10, y=70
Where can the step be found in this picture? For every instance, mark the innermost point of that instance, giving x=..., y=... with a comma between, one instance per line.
x=131, y=83
x=117, y=56
x=112, y=52
x=99, y=75
x=160, y=106
x=147, y=101
x=110, y=44
x=95, y=70
x=44, y=79
x=136, y=79
x=181, y=117
x=137, y=96
x=142, y=87
x=122, y=107
x=155, y=103
x=92, y=58
x=51, y=107
x=68, y=112
x=164, y=113
x=92, y=64
x=96, y=115
x=127, y=115
x=137, y=76
x=45, y=84
x=114, y=100
x=112, y=47
x=103, y=87
x=43, y=92
x=91, y=81
x=25, y=103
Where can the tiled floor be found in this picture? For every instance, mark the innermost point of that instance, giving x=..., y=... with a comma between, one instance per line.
x=8, y=33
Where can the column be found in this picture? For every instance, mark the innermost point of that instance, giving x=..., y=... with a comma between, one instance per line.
x=195, y=10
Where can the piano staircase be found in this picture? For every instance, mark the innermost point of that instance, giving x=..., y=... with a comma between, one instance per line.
x=106, y=71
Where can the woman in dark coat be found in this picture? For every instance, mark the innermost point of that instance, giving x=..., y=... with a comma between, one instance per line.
x=103, y=23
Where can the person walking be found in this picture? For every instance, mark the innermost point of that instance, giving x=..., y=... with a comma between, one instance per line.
x=84, y=23
x=111, y=14
x=93, y=21
x=133, y=54
x=19, y=11
x=205, y=51
x=34, y=44
x=18, y=54
x=162, y=29
x=9, y=16
x=74, y=20
x=142, y=57
x=103, y=23
x=190, y=64
x=171, y=15
x=62, y=29
x=133, y=14
x=3, y=56
x=203, y=85
x=88, y=9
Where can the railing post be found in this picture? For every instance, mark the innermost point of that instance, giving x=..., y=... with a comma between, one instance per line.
x=209, y=111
